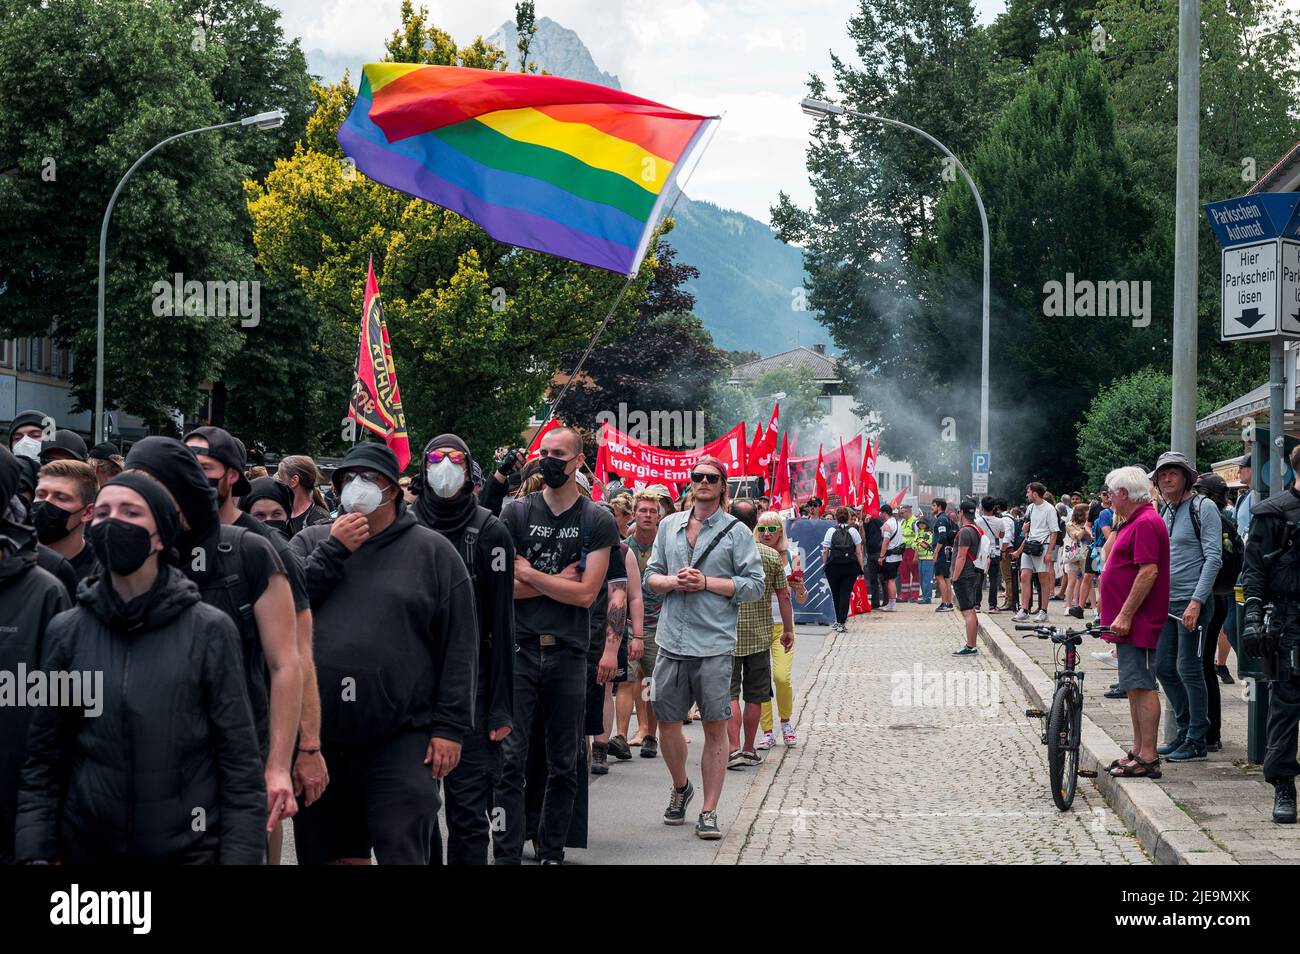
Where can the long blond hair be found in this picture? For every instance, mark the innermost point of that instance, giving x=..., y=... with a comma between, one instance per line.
x=767, y=518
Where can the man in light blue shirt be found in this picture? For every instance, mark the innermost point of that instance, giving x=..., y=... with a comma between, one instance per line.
x=705, y=563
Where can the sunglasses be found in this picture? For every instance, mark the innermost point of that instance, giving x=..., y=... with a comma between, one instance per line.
x=437, y=457
x=773, y=529
x=698, y=478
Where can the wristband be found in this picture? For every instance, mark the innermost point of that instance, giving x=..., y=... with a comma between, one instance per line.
x=706, y=584
x=302, y=751
x=638, y=637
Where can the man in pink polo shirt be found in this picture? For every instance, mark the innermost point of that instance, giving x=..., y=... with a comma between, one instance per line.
x=1134, y=603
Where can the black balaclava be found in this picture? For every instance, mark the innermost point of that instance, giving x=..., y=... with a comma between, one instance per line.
x=176, y=468
x=268, y=488
x=448, y=515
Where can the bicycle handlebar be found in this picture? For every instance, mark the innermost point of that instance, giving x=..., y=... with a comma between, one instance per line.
x=1043, y=632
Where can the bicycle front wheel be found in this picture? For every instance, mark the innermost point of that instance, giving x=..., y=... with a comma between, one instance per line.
x=1062, y=752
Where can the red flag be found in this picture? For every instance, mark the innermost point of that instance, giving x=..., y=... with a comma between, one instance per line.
x=781, y=479
x=898, y=498
x=868, y=491
x=820, y=492
x=760, y=453
x=843, y=482
x=376, y=403
x=535, y=448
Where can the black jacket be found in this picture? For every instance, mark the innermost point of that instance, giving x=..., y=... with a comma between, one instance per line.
x=494, y=592
x=172, y=750
x=493, y=494
x=29, y=599
x=395, y=635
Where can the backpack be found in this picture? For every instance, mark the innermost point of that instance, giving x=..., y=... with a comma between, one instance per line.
x=1234, y=550
x=981, y=559
x=843, y=551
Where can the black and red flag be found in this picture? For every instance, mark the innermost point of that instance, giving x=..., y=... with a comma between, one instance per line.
x=376, y=403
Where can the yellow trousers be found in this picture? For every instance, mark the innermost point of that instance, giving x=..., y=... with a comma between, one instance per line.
x=782, y=664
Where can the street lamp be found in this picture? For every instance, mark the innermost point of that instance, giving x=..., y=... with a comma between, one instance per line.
x=273, y=119
x=820, y=108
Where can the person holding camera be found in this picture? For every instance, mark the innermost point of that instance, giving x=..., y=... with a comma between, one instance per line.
x=1036, y=551
x=505, y=479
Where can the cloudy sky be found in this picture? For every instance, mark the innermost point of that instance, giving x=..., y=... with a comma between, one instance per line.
x=745, y=59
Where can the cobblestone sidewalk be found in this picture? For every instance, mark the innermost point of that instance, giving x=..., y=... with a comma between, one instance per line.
x=910, y=756
x=1225, y=796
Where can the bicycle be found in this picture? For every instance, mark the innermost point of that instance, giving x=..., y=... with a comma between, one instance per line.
x=1062, y=724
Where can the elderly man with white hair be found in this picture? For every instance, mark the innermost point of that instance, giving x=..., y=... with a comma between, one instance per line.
x=1134, y=602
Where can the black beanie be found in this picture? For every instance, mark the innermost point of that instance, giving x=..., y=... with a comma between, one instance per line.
x=27, y=419
x=176, y=468
x=160, y=505
x=267, y=488
x=10, y=474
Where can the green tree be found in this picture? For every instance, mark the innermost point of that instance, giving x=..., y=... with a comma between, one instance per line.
x=526, y=29
x=477, y=327
x=751, y=401
x=90, y=85
x=1128, y=423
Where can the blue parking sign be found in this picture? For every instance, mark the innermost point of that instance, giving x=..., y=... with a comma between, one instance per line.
x=979, y=463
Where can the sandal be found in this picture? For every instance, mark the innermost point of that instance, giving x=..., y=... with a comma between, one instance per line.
x=1128, y=756
x=1138, y=769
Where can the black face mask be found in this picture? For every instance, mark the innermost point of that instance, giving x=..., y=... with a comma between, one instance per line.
x=281, y=525
x=215, y=484
x=51, y=522
x=122, y=547
x=554, y=474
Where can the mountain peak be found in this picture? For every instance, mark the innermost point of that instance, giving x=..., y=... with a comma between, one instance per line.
x=556, y=49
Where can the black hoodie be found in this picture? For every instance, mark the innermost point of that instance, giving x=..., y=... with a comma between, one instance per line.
x=395, y=637
x=175, y=737
x=30, y=598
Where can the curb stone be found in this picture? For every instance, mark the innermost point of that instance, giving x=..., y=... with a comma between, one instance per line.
x=1165, y=832
x=734, y=841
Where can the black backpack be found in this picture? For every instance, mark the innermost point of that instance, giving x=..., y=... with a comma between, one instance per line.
x=1234, y=549
x=843, y=551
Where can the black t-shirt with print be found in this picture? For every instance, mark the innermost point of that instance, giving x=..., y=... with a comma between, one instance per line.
x=550, y=542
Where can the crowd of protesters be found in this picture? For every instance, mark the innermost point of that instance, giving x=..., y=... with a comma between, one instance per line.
x=375, y=657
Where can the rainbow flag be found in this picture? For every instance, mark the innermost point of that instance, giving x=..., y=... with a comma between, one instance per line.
x=572, y=169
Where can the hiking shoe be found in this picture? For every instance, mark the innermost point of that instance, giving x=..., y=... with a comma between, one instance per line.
x=599, y=758
x=787, y=734
x=619, y=748
x=1167, y=747
x=766, y=742
x=1284, y=802
x=707, y=827
x=1225, y=677
x=678, y=799
x=1020, y=617
x=967, y=651
x=1041, y=617
x=1189, y=752
x=734, y=760
x=649, y=747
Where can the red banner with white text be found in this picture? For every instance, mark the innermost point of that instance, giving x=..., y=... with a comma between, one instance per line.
x=641, y=464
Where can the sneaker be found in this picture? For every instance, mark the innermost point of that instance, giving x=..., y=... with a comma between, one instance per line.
x=1225, y=677
x=707, y=827
x=1165, y=748
x=967, y=651
x=1190, y=752
x=678, y=799
x=1041, y=617
x=619, y=748
x=889, y=608
x=1106, y=659
x=787, y=734
x=735, y=760
x=1076, y=612
x=599, y=763
x=924, y=602
x=1214, y=746
x=766, y=742
x=1284, y=801
x=1020, y=617
x=994, y=609
x=649, y=747
x=1116, y=693
x=945, y=608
